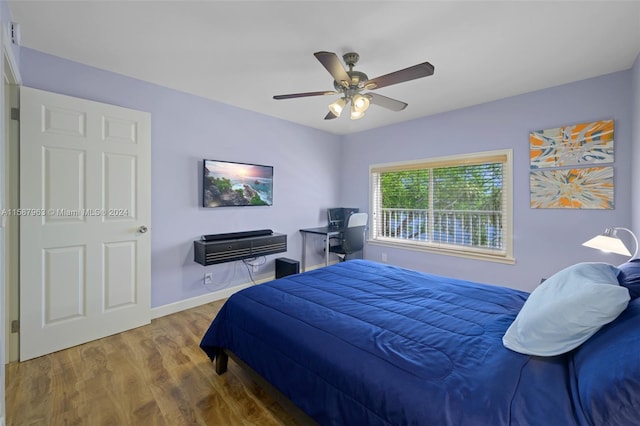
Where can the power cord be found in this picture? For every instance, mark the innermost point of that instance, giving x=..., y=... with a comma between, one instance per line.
x=251, y=263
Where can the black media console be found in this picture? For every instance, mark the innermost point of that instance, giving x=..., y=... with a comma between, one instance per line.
x=220, y=248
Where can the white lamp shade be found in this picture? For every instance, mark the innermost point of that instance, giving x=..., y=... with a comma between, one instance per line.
x=356, y=115
x=360, y=103
x=337, y=107
x=608, y=244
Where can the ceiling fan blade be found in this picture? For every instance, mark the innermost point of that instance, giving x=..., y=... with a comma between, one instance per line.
x=331, y=62
x=330, y=116
x=385, y=102
x=302, y=95
x=424, y=69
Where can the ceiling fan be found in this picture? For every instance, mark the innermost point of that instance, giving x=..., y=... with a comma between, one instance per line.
x=350, y=85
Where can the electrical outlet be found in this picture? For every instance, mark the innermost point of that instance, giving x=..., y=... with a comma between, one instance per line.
x=384, y=257
x=208, y=278
x=255, y=268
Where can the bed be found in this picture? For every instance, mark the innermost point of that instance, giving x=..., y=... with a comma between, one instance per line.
x=363, y=343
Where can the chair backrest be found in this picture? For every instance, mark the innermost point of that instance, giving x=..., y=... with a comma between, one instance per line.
x=353, y=234
x=357, y=219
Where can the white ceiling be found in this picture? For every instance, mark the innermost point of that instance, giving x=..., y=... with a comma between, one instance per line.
x=242, y=53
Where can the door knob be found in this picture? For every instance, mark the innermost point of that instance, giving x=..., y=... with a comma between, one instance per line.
x=143, y=229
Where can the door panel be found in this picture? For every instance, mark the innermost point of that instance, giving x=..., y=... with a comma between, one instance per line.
x=119, y=193
x=119, y=274
x=63, y=187
x=62, y=121
x=59, y=284
x=119, y=130
x=85, y=192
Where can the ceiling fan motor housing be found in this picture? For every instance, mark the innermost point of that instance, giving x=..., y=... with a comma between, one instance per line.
x=356, y=84
x=351, y=58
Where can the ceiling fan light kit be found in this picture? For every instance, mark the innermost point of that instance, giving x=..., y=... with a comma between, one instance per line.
x=350, y=84
x=360, y=103
x=355, y=114
x=337, y=106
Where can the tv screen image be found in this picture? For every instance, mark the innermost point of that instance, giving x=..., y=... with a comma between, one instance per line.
x=227, y=183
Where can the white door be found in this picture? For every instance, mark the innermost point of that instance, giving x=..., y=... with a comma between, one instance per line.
x=84, y=211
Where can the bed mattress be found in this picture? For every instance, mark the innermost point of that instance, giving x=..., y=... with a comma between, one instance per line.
x=363, y=343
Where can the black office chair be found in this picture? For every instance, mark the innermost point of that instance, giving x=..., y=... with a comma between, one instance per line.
x=352, y=239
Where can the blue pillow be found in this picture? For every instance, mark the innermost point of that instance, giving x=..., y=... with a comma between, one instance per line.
x=629, y=277
x=567, y=309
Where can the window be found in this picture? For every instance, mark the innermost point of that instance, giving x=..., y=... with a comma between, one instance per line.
x=459, y=205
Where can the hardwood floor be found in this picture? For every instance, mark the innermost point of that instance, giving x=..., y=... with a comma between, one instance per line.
x=152, y=375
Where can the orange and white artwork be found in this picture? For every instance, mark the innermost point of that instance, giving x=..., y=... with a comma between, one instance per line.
x=582, y=188
x=579, y=144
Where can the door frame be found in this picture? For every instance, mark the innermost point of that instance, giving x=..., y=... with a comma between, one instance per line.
x=11, y=89
x=9, y=287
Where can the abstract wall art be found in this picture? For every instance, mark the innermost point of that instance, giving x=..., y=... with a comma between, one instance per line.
x=575, y=145
x=563, y=171
x=574, y=188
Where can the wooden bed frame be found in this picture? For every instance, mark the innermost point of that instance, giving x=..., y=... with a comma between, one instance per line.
x=221, y=363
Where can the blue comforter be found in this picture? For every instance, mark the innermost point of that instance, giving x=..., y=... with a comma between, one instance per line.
x=361, y=343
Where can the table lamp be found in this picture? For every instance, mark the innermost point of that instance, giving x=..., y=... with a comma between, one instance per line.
x=609, y=241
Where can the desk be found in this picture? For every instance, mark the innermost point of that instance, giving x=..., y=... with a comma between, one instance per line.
x=321, y=230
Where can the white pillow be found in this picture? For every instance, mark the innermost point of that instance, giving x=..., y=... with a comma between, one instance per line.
x=567, y=309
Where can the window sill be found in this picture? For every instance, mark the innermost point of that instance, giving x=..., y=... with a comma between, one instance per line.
x=429, y=248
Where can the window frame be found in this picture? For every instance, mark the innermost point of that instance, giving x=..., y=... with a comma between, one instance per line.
x=504, y=156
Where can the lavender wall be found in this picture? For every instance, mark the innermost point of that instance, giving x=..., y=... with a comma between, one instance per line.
x=185, y=129
x=545, y=240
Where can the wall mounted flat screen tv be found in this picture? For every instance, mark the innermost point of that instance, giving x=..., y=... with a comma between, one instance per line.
x=228, y=184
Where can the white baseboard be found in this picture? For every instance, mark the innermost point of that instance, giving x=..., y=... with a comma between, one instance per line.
x=182, y=305
x=203, y=299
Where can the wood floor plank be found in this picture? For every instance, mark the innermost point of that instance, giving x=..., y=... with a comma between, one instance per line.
x=154, y=375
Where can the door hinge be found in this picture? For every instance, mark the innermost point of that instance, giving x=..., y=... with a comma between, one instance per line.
x=15, y=326
x=15, y=114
